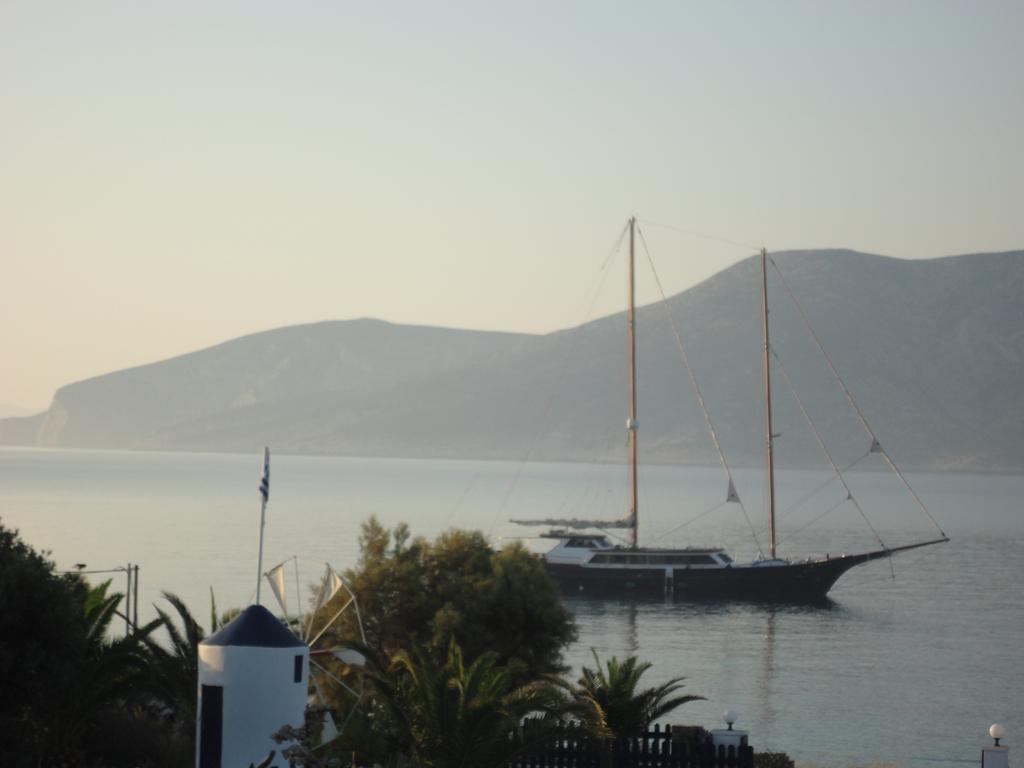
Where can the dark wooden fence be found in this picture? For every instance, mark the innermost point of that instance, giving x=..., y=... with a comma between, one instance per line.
x=657, y=748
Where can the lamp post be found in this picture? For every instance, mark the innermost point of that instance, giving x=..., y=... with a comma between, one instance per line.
x=998, y=755
x=997, y=732
x=729, y=717
x=131, y=597
x=729, y=737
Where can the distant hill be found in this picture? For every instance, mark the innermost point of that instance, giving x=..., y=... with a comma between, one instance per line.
x=932, y=350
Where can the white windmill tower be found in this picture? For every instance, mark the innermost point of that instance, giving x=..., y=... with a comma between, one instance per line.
x=253, y=680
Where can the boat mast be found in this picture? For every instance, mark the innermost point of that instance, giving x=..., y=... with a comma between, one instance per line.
x=631, y=424
x=768, y=404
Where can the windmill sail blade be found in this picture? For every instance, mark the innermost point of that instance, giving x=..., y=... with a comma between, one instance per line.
x=329, y=586
x=331, y=621
x=330, y=730
x=350, y=656
x=275, y=577
x=334, y=582
x=322, y=669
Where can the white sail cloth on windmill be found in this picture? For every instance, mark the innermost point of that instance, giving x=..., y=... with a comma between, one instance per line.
x=312, y=630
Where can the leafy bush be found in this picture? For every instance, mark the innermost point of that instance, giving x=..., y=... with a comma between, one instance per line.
x=772, y=760
x=417, y=593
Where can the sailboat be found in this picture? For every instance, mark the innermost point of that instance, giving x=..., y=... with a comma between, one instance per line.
x=584, y=560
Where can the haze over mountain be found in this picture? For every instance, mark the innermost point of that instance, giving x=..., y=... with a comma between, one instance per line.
x=933, y=352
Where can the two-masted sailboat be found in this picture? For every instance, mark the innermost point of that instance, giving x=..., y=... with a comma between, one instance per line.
x=586, y=561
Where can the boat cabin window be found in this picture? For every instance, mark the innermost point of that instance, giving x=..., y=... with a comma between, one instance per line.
x=699, y=560
x=580, y=543
x=654, y=558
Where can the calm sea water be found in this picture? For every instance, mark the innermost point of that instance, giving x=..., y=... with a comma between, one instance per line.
x=909, y=663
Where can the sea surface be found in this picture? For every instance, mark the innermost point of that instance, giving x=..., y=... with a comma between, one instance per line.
x=909, y=663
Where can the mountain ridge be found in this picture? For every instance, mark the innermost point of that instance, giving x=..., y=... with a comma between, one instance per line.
x=933, y=349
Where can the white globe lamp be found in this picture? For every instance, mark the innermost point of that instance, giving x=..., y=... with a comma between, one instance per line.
x=730, y=717
x=997, y=732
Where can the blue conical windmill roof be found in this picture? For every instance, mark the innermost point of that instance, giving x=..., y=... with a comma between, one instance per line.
x=255, y=627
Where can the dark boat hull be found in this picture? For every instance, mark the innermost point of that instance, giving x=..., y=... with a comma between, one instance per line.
x=789, y=582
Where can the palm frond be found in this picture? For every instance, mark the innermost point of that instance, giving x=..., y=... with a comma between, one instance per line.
x=609, y=699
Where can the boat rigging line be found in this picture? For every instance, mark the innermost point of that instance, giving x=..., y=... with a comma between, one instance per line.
x=838, y=474
x=793, y=534
x=693, y=519
x=731, y=494
x=822, y=486
x=824, y=448
x=589, y=301
x=703, y=235
x=876, y=446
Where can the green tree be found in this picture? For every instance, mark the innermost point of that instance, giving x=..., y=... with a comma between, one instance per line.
x=42, y=647
x=415, y=593
x=61, y=671
x=616, y=704
x=452, y=714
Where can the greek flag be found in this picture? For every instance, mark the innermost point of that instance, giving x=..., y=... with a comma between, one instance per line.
x=265, y=482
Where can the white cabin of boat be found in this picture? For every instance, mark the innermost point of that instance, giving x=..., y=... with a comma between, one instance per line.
x=594, y=550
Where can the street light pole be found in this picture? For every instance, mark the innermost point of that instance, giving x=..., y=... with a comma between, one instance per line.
x=135, y=599
x=128, y=602
x=131, y=598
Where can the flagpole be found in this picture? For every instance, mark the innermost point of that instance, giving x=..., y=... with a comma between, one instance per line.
x=265, y=496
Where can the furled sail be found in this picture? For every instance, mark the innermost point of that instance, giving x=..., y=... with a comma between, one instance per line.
x=575, y=523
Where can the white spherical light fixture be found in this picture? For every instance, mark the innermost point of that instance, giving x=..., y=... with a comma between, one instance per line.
x=997, y=732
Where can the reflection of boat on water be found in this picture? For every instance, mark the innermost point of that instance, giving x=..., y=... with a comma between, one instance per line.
x=632, y=608
x=763, y=693
x=583, y=561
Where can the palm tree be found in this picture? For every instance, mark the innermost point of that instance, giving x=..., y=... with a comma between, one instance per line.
x=172, y=667
x=173, y=671
x=612, y=697
x=454, y=714
x=110, y=674
x=114, y=666
x=220, y=620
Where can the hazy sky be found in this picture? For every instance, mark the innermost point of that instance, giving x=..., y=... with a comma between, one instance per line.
x=176, y=174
